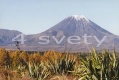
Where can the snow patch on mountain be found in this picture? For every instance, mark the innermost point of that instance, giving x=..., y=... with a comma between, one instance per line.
x=78, y=18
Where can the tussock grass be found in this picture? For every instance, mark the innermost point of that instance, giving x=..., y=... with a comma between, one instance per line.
x=20, y=65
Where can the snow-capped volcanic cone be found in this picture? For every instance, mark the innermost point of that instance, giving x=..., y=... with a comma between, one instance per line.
x=80, y=27
x=74, y=33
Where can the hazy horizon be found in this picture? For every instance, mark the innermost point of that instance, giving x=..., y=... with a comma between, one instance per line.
x=31, y=17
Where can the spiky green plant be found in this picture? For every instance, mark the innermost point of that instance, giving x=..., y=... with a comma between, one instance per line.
x=103, y=66
x=59, y=63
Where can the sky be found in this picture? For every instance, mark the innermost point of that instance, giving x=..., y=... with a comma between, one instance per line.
x=36, y=16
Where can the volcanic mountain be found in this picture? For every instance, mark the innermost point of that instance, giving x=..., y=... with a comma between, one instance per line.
x=76, y=27
x=74, y=33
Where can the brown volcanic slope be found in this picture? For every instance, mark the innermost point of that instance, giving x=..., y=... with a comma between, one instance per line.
x=72, y=26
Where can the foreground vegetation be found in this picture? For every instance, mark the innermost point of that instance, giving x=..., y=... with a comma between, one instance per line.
x=21, y=65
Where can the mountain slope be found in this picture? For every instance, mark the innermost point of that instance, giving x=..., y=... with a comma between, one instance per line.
x=6, y=36
x=79, y=25
x=74, y=26
x=85, y=33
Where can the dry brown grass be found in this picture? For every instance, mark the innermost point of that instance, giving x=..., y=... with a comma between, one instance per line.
x=64, y=77
x=11, y=75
